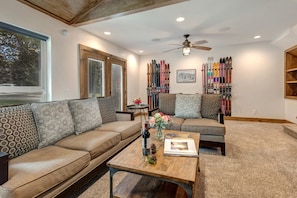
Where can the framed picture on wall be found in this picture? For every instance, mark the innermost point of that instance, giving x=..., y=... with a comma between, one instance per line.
x=186, y=76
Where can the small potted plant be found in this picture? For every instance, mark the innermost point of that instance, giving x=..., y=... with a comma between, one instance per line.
x=137, y=101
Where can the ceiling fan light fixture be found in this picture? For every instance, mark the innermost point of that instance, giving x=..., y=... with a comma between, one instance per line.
x=186, y=51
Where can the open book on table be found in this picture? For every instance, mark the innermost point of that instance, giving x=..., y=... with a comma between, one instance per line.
x=180, y=146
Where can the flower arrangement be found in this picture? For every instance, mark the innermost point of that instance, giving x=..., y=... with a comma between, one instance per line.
x=159, y=120
x=137, y=101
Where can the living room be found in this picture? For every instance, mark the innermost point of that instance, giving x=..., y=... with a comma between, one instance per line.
x=252, y=95
x=257, y=93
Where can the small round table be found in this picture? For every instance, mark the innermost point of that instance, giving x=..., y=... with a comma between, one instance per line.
x=141, y=109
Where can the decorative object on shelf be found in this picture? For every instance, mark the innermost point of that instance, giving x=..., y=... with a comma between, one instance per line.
x=186, y=76
x=216, y=79
x=158, y=75
x=159, y=121
x=137, y=101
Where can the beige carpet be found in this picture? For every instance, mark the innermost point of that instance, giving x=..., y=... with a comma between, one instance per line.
x=261, y=161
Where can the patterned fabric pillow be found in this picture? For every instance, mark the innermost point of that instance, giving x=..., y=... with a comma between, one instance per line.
x=53, y=120
x=167, y=103
x=188, y=106
x=86, y=114
x=210, y=105
x=107, y=109
x=18, y=133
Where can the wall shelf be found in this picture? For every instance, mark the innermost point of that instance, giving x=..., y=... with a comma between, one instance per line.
x=290, y=57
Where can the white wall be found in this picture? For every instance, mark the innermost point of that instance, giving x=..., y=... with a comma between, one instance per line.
x=64, y=49
x=257, y=77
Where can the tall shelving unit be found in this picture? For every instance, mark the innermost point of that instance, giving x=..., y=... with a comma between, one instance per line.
x=158, y=81
x=217, y=79
x=291, y=73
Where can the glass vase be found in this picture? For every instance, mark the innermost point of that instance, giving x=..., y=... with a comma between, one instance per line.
x=159, y=133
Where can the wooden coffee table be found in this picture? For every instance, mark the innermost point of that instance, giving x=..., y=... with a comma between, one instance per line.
x=179, y=170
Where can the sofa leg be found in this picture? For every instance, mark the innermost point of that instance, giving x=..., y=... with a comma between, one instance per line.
x=223, y=149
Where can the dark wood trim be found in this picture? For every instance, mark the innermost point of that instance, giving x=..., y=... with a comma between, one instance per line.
x=256, y=119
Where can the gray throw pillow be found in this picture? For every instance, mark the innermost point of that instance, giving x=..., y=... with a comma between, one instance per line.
x=18, y=133
x=167, y=103
x=188, y=106
x=86, y=114
x=107, y=109
x=210, y=105
x=53, y=121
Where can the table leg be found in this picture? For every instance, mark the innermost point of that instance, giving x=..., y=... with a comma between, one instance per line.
x=112, y=171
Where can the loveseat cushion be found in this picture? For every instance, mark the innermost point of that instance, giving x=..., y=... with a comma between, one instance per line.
x=188, y=106
x=107, y=109
x=94, y=142
x=40, y=170
x=167, y=103
x=18, y=133
x=53, y=121
x=203, y=126
x=124, y=128
x=86, y=114
x=210, y=105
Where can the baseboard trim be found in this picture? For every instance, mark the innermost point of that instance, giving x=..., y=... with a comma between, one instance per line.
x=256, y=119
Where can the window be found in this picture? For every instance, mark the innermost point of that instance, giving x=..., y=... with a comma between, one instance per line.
x=96, y=78
x=22, y=65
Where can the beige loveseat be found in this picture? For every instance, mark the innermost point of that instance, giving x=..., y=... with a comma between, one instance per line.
x=52, y=145
x=195, y=113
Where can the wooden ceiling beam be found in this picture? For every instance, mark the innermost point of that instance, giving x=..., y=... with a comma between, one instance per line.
x=114, y=8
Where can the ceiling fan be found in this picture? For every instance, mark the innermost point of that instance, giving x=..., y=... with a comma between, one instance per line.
x=186, y=46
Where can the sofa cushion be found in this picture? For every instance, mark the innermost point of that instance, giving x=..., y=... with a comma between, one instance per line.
x=175, y=123
x=86, y=114
x=203, y=126
x=18, y=133
x=188, y=106
x=94, y=142
x=167, y=103
x=210, y=105
x=107, y=109
x=53, y=121
x=42, y=169
x=124, y=128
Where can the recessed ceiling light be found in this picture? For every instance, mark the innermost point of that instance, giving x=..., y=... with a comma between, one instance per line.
x=140, y=51
x=180, y=19
x=107, y=33
x=257, y=37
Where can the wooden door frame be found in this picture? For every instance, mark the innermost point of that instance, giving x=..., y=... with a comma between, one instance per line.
x=85, y=53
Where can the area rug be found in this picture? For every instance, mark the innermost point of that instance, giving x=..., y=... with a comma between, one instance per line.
x=260, y=161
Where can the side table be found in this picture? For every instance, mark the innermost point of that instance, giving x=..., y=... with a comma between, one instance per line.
x=141, y=109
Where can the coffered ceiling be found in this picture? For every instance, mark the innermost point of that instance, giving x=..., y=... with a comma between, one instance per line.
x=150, y=25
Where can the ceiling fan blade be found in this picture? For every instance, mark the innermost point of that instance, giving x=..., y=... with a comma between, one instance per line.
x=201, y=42
x=176, y=44
x=172, y=49
x=201, y=47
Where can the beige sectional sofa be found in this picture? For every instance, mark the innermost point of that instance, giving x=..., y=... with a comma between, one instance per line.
x=51, y=146
x=195, y=113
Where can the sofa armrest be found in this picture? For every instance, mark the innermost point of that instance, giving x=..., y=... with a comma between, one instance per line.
x=152, y=112
x=125, y=115
x=221, y=118
x=3, y=167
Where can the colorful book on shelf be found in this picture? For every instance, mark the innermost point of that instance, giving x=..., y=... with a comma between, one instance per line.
x=179, y=146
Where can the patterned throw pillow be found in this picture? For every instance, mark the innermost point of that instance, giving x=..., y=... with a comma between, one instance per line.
x=107, y=109
x=167, y=103
x=188, y=106
x=210, y=105
x=18, y=133
x=53, y=120
x=86, y=114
